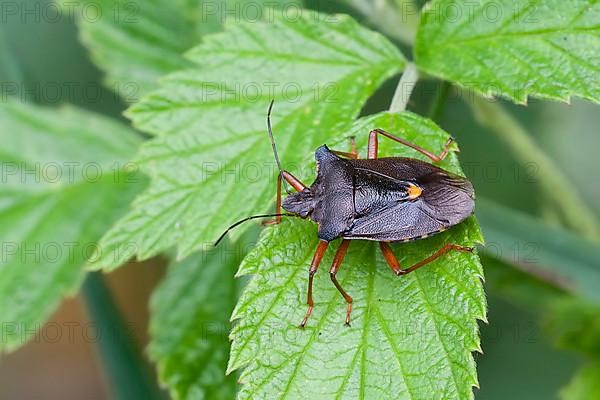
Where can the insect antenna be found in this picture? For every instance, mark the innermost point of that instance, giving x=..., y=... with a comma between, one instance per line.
x=241, y=221
x=270, y=130
x=285, y=186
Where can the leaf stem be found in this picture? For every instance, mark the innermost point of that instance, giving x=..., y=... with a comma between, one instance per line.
x=554, y=184
x=124, y=367
x=397, y=19
x=438, y=103
x=405, y=87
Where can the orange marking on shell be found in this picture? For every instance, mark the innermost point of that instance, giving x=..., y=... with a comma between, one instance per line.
x=414, y=191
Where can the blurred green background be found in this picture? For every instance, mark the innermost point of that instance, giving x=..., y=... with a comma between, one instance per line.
x=520, y=359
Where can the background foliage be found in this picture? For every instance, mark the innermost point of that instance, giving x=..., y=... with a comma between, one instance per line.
x=542, y=253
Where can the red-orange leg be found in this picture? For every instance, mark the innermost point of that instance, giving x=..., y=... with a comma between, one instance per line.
x=292, y=180
x=395, y=265
x=352, y=153
x=345, y=154
x=296, y=184
x=373, y=145
x=314, y=266
x=335, y=266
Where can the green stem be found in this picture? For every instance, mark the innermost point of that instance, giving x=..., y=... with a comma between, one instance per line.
x=438, y=103
x=554, y=184
x=124, y=367
x=405, y=87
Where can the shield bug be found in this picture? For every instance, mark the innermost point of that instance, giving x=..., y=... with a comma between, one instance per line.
x=389, y=199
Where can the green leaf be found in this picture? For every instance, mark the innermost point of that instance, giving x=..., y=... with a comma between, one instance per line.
x=65, y=180
x=585, y=385
x=519, y=48
x=575, y=325
x=411, y=336
x=211, y=163
x=551, y=253
x=137, y=42
x=568, y=205
x=189, y=325
x=517, y=287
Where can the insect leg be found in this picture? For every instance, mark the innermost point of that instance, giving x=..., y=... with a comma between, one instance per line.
x=292, y=180
x=345, y=154
x=391, y=259
x=395, y=265
x=296, y=184
x=337, y=260
x=373, y=145
x=314, y=265
x=352, y=154
x=277, y=219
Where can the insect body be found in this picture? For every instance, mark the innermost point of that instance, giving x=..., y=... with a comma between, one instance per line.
x=386, y=199
x=392, y=199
